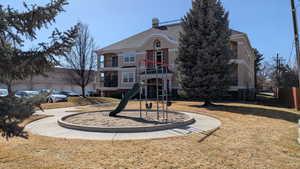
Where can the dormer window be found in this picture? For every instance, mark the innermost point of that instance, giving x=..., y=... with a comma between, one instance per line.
x=157, y=44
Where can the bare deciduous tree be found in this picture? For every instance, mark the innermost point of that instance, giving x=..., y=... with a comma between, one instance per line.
x=82, y=59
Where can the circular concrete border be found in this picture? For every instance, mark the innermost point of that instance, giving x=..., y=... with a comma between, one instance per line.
x=61, y=121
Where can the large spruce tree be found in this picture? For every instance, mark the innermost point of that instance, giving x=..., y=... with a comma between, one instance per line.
x=204, y=51
x=17, y=63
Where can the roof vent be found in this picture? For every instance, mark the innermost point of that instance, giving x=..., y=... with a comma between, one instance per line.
x=155, y=23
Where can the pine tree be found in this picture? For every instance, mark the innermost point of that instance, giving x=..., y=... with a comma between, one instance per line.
x=258, y=64
x=19, y=64
x=204, y=51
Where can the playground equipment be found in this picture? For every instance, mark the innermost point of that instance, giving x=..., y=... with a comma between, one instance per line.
x=160, y=72
x=134, y=91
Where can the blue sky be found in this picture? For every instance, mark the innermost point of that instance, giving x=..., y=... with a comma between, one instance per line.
x=267, y=23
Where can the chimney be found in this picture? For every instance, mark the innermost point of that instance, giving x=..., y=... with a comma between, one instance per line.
x=155, y=23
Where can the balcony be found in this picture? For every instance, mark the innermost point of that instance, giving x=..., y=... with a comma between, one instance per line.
x=109, y=80
x=109, y=63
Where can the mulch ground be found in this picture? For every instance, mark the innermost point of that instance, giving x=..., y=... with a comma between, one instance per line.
x=125, y=119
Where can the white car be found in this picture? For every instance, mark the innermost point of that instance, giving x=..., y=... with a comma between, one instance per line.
x=26, y=93
x=3, y=92
x=57, y=96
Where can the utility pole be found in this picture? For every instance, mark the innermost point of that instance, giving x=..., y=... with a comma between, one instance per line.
x=296, y=32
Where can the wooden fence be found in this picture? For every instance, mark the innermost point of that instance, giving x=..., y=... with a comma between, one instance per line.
x=289, y=96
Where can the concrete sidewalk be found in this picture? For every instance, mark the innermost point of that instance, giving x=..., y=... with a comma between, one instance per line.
x=49, y=127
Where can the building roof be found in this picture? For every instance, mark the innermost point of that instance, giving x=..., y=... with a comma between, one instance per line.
x=170, y=31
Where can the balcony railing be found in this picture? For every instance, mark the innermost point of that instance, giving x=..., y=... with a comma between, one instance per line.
x=111, y=84
x=103, y=65
x=159, y=70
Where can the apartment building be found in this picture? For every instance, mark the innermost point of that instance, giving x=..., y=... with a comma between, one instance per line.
x=122, y=63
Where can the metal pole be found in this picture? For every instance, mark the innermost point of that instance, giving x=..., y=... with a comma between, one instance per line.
x=167, y=95
x=146, y=87
x=296, y=33
x=163, y=90
x=141, y=89
x=157, y=106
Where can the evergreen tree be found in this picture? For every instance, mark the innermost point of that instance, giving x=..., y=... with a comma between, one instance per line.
x=258, y=64
x=19, y=64
x=204, y=51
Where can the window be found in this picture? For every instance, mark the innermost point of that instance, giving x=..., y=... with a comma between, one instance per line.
x=234, y=75
x=114, y=61
x=129, y=59
x=132, y=59
x=102, y=77
x=157, y=44
x=128, y=77
x=159, y=56
x=111, y=79
x=234, y=48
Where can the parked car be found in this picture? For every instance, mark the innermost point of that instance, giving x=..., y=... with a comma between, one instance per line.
x=70, y=93
x=3, y=92
x=91, y=93
x=26, y=93
x=46, y=91
x=57, y=96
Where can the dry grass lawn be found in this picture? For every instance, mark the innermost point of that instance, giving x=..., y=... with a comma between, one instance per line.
x=251, y=137
x=78, y=101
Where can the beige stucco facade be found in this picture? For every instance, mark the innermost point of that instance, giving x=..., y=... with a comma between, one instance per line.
x=246, y=61
x=138, y=46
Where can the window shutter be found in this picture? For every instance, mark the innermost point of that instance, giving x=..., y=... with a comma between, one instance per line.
x=150, y=57
x=166, y=56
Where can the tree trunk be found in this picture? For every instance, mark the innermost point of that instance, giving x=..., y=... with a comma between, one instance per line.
x=9, y=89
x=83, y=91
x=208, y=103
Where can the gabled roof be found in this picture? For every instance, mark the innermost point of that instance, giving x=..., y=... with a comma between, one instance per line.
x=171, y=31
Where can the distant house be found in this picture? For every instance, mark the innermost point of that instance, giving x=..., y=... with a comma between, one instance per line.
x=119, y=63
x=57, y=79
